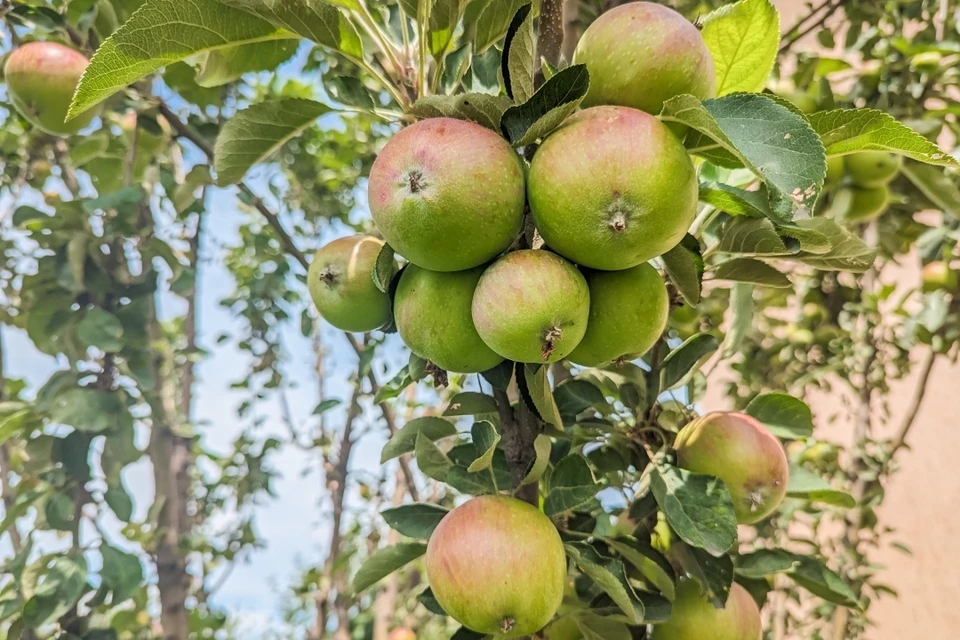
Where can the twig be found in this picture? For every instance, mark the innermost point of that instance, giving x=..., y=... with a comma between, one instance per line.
x=184, y=131
x=550, y=38
x=792, y=40
x=909, y=418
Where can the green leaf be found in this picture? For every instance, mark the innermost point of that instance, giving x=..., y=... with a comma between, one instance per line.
x=810, y=240
x=846, y=131
x=14, y=421
x=223, y=66
x=596, y=627
x=404, y=440
x=494, y=21
x=499, y=377
x=809, y=486
x=935, y=185
x=256, y=133
x=64, y=582
x=575, y=396
x=743, y=39
x=385, y=561
x=519, y=55
x=25, y=214
x=325, y=405
x=847, y=252
x=88, y=410
x=350, y=91
x=808, y=572
x=753, y=272
x=485, y=438
x=686, y=358
x=314, y=20
x=394, y=387
x=649, y=562
x=414, y=520
x=120, y=199
x=417, y=367
x=571, y=485
x=589, y=563
x=541, y=445
x=444, y=17
x=735, y=201
x=784, y=415
x=715, y=574
x=429, y=601
x=121, y=571
x=433, y=462
x=767, y=138
x=535, y=389
x=484, y=109
x=559, y=97
x=698, y=507
x=684, y=266
x=741, y=319
x=470, y=403
x=18, y=510
x=751, y=237
x=385, y=268
x=119, y=501
x=159, y=33
x=101, y=329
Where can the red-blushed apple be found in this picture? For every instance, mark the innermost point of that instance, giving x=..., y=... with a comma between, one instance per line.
x=403, y=633
x=447, y=194
x=497, y=566
x=695, y=618
x=340, y=281
x=740, y=451
x=938, y=275
x=41, y=78
x=641, y=54
x=612, y=188
x=432, y=310
x=531, y=306
x=628, y=312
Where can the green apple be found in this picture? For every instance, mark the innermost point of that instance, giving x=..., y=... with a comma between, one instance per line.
x=340, y=281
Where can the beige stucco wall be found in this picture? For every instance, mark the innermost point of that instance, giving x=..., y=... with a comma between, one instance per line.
x=923, y=500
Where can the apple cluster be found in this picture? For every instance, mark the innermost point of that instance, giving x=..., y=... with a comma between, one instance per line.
x=609, y=190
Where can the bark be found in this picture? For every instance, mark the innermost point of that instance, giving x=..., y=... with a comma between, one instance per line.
x=550, y=36
x=335, y=478
x=171, y=456
x=571, y=28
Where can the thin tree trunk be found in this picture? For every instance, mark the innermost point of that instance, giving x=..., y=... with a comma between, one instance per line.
x=336, y=472
x=170, y=454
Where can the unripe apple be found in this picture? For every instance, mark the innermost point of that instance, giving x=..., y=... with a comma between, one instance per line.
x=858, y=204
x=432, y=310
x=803, y=101
x=740, y=451
x=340, y=281
x=695, y=618
x=869, y=169
x=612, y=188
x=447, y=194
x=628, y=312
x=641, y=54
x=938, y=275
x=497, y=566
x=41, y=78
x=531, y=306
x=835, y=170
